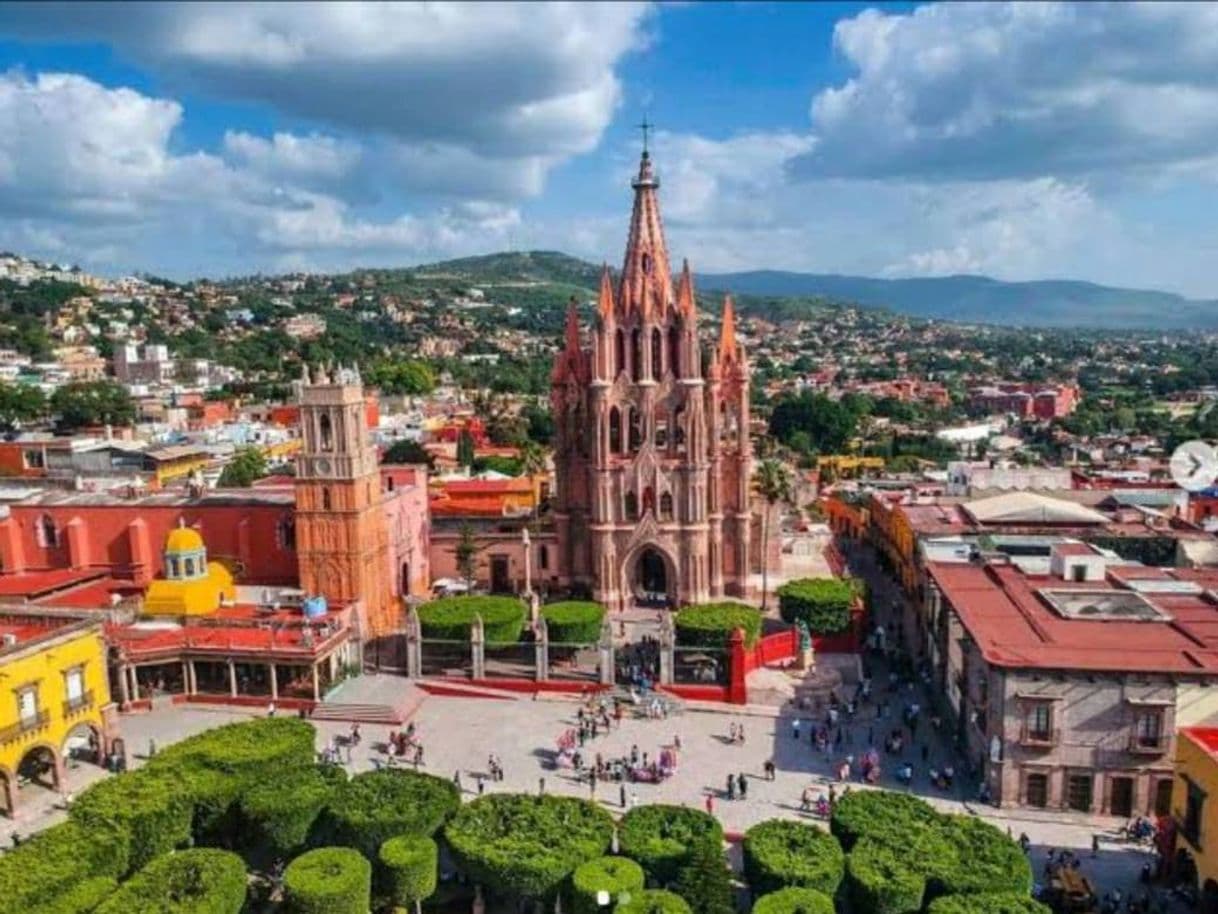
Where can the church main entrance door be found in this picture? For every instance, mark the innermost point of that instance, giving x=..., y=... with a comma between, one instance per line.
x=651, y=579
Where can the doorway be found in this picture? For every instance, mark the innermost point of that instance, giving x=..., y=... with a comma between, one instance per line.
x=500, y=579
x=1078, y=792
x=1163, y=788
x=1120, y=803
x=651, y=578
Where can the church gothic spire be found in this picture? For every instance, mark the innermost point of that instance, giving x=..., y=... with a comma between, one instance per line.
x=646, y=275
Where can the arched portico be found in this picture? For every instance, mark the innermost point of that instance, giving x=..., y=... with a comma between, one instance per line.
x=86, y=741
x=650, y=576
x=42, y=766
x=8, y=795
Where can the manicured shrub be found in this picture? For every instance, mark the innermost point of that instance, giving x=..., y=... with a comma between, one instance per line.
x=573, y=622
x=781, y=853
x=711, y=624
x=213, y=795
x=986, y=860
x=794, y=901
x=654, y=901
x=279, y=813
x=450, y=618
x=253, y=748
x=375, y=806
x=824, y=604
x=705, y=882
x=81, y=898
x=880, y=814
x=527, y=846
x=148, y=805
x=662, y=838
x=197, y=881
x=61, y=856
x=329, y=880
x=410, y=868
x=614, y=875
x=882, y=881
x=987, y=903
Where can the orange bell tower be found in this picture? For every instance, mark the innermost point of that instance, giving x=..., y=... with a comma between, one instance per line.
x=341, y=536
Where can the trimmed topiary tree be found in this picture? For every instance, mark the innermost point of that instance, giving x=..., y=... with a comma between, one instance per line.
x=781, y=853
x=197, y=881
x=794, y=901
x=825, y=604
x=329, y=880
x=882, y=880
x=880, y=814
x=81, y=898
x=278, y=814
x=450, y=618
x=987, y=903
x=711, y=624
x=986, y=860
x=61, y=856
x=654, y=901
x=409, y=866
x=615, y=875
x=527, y=846
x=248, y=749
x=573, y=621
x=148, y=805
x=375, y=806
x=662, y=838
x=705, y=882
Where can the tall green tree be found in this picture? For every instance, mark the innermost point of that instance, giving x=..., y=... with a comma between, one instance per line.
x=84, y=403
x=20, y=403
x=467, y=553
x=773, y=483
x=465, y=448
x=828, y=424
x=407, y=451
x=247, y=465
x=705, y=881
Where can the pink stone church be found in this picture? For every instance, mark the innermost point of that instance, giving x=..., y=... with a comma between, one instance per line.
x=653, y=503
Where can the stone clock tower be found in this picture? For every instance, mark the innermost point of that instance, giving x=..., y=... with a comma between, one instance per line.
x=341, y=535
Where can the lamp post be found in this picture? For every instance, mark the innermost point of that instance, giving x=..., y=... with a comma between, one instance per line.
x=527, y=543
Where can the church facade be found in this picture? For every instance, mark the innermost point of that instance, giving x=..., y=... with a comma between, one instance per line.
x=653, y=497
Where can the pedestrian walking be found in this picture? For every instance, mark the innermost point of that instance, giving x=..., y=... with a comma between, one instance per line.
x=541, y=787
x=457, y=779
x=795, y=724
x=481, y=785
x=743, y=785
x=622, y=792
x=710, y=804
x=731, y=787
x=1095, y=846
x=769, y=769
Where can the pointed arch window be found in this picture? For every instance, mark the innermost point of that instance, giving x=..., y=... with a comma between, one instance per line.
x=674, y=351
x=619, y=352
x=636, y=430
x=657, y=354
x=48, y=535
x=325, y=432
x=649, y=500
x=666, y=506
x=646, y=264
x=678, y=429
x=661, y=432
x=325, y=499
x=636, y=354
x=615, y=431
x=285, y=533
x=632, y=506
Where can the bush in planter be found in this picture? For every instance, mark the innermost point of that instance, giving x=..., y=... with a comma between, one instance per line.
x=986, y=860
x=711, y=624
x=662, y=837
x=148, y=805
x=198, y=881
x=988, y=903
x=881, y=879
x=573, y=622
x=527, y=846
x=61, y=856
x=781, y=853
x=409, y=865
x=83, y=897
x=654, y=901
x=375, y=806
x=823, y=603
x=614, y=875
x=329, y=880
x=278, y=814
x=899, y=817
x=450, y=618
x=794, y=901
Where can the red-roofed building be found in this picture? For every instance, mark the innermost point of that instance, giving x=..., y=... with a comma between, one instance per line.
x=1068, y=679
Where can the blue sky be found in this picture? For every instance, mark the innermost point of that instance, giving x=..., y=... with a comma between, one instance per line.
x=1020, y=141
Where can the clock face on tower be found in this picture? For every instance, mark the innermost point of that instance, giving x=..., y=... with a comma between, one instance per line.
x=321, y=466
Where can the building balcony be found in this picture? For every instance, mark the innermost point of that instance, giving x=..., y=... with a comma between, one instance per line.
x=24, y=726
x=1039, y=739
x=80, y=703
x=1149, y=745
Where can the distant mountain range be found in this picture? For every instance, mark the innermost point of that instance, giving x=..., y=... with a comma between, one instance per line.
x=970, y=299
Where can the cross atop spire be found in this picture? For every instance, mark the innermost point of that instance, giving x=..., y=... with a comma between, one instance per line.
x=646, y=126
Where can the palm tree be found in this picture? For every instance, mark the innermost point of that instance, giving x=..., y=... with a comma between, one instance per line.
x=532, y=459
x=773, y=483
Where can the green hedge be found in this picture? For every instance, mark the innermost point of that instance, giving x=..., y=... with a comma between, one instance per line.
x=250, y=748
x=154, y=811
x=573, y=622
x=82, y=898
x=279, y=813
x=986, y=860
x=63, y=855
x=329, y=880
x=614, y=875
x=823, y=603
x=654, y=901
x=450, y=619
x=880, y=813
x=375, y=806
x=410, y=868
x=881, y=880
x=794, y=901
x=987, y=903
x=781, y=853
x=527, y=846
x=662, y=837
x=711, y=624
x=199, y=881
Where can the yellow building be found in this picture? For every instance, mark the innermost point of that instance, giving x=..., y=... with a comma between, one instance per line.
x=54, y=700
x=192, y=586
x=1194, y=806
x=176, y=461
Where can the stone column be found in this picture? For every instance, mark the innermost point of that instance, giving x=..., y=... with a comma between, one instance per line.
x=316, y=682
x=271, y=670
x=541, y=651
x=135, y=684
x=607, y=670
x=232, y=678
x=414, y=645
x=124, y=689
x=194, y=677
x=477, y=646
x=667, y=643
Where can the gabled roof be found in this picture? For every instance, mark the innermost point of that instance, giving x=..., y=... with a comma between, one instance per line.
x=1030, y=508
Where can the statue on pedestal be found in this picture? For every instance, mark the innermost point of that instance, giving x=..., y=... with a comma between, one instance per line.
x=807, y=654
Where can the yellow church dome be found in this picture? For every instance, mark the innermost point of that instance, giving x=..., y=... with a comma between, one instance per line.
x=184, y=539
